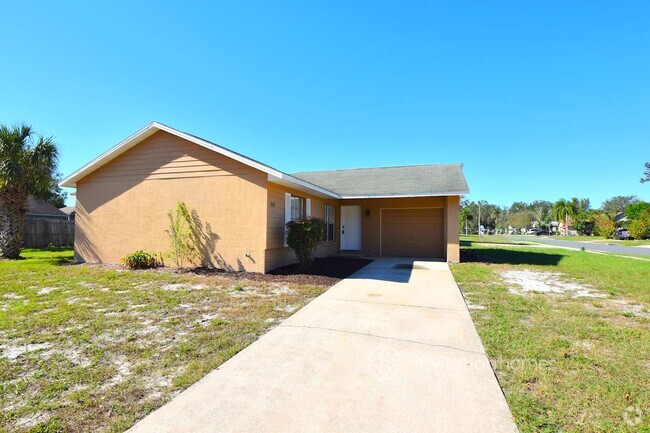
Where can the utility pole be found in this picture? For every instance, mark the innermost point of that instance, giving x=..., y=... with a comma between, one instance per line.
x=479, y=217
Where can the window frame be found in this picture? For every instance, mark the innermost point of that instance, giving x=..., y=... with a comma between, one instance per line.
x=301, y=207
x=327, y=222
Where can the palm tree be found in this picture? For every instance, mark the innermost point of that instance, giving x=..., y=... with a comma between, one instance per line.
x=465, y=216
x=562, y=210
x=27, y=166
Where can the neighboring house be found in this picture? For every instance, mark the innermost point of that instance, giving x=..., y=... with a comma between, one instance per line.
x=124, y=195
x=39, y=210
x=620, y=218
x=69, y=211
x=46, y=225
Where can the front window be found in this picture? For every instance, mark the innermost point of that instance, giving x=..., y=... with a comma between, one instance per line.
x=329, y=222
x=297, y=206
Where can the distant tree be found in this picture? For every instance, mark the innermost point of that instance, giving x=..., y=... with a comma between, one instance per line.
x=584, y=222
x=518, y=206
x=539, y=209
x=646, y=173
x=616, y=205
x=640, y=227
x=56, y=196
x=581, y=204
x=27, y=167
x=466, y=218
x=633, y=211
x=563, y=210
x=490, y=214
x=520, y=220
x=605, y=226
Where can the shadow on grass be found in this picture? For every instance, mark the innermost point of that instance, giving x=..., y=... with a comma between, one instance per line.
x=488, y=241
x=57, y=256
x=510, y=257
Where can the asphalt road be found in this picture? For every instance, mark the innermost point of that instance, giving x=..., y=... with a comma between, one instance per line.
x=588, y=246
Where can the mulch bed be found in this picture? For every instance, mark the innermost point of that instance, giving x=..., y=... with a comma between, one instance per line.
x=332, y=267
x=326, y=272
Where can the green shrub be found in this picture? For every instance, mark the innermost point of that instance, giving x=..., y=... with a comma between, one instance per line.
x=605, y=226
x=638, y=229
x=303, y=237
x=141, y=260
x=181, y=230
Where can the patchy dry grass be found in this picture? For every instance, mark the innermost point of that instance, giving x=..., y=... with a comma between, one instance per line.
x=568, y=334
x=86, y=348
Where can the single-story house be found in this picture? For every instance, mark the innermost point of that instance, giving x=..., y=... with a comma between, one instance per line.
x=69, y=211
x=124, y=196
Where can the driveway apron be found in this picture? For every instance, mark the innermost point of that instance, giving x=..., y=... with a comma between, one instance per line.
x=390, y=349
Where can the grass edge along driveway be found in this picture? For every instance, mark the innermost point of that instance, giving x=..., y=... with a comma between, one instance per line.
x=566, y=362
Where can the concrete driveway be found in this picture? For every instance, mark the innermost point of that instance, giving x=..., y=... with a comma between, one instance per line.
x=390, y=349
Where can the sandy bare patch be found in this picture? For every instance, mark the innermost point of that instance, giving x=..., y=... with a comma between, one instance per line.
x=282, y=290
x=636, y=309
x=76, y=299
x=181, y=286
x=287, y=308
x=546, y=282
x=47, y=290
x=72, y=354
x=471, y=306
x=207, y=318
x=13, y=352
x=151, y=329
x=31, y=420
x=123, y=371
x=13, y=296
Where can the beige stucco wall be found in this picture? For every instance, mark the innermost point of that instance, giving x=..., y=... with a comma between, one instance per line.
x=276, y=253
x=452, y=232
x=370, y=216
x=122, y=207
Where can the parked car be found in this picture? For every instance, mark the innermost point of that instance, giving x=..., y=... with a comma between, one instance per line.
x=622, y=234
x=541, y=233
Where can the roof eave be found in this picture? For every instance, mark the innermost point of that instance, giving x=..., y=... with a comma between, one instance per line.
x=427, y=194
x=121, y=147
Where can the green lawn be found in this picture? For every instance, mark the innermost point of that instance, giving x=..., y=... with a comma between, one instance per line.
x=566, y=363
x=526, y=238
x=633, y=243
x=86, y=348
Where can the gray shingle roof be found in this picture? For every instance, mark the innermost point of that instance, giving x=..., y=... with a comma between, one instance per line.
x=42, y=208
x=411, y=180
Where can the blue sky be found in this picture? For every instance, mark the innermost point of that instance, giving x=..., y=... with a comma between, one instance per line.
x=539, y=100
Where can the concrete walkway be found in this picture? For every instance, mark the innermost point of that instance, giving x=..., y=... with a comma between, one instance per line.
x=390, y=349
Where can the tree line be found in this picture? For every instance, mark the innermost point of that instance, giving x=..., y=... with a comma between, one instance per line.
x=576, y=214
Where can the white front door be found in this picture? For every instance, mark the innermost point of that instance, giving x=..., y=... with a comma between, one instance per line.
x=350, y=227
